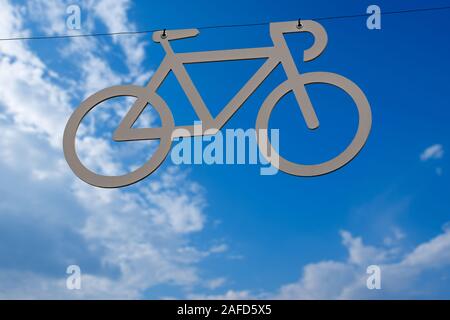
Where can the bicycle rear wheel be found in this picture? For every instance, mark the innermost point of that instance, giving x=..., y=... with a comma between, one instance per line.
x=143, y=98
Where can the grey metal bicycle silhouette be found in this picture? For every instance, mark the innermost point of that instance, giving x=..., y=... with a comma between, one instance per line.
x=278, y=54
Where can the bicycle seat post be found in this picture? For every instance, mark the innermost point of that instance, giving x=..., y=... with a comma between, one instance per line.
x=174, y=34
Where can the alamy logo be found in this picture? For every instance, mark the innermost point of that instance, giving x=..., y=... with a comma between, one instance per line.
x=73, y=281
x=278, y=54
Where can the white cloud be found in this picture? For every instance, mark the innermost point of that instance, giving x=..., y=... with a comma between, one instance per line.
x=96, y=155
x=126, y=241
x=401, y=274
x=436, y=151
x=215, y=283
x=431, y=254
x=347, y=280
x=176, y=204
x=123, y=227
x=90, y=53
x=35, y=103
x=97, y=74
x=360, y=254
x=113, y=13
x=322, y=280
x=229, y=295
x=397, y=236
x=50, y=14
x=219, y=248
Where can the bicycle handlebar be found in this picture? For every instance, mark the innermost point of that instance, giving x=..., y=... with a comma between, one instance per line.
x=277, y=29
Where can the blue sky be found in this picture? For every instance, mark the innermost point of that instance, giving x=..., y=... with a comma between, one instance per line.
x=199, y=231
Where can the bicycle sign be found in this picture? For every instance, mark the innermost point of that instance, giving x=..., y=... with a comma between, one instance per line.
x=276, y=55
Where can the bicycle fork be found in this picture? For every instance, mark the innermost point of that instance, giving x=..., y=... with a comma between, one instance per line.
x=301, y=95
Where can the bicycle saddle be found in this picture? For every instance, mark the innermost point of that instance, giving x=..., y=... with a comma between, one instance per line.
x=174, y=34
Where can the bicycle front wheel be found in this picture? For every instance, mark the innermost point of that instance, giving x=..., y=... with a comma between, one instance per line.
x=143, y=98
x=362, y=133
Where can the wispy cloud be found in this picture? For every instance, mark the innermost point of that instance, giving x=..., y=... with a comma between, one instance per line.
x=435, y=151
